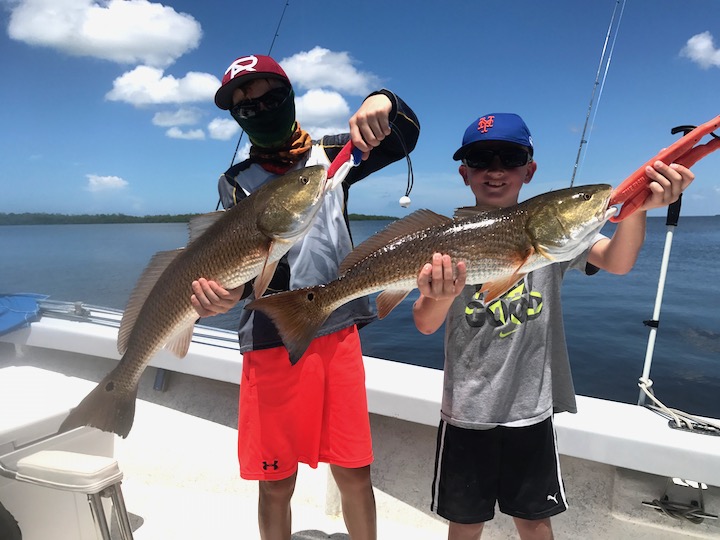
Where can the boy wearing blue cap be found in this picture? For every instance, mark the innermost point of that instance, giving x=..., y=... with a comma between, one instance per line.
x=507, y=372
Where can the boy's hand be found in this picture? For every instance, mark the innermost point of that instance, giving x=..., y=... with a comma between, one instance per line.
x=371, y=123
x=210, y=299
x=668, y=182
x=436, y=279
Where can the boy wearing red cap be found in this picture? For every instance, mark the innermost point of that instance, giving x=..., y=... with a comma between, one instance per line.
x=316, y=410
x=507, y=371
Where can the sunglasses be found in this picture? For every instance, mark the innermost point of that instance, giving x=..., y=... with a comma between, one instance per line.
x=509, y=157
x=270, y=100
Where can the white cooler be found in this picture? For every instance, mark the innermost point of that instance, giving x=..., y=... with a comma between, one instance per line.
x=33, y=404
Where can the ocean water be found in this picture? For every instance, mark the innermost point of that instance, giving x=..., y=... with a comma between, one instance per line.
x=604, y=314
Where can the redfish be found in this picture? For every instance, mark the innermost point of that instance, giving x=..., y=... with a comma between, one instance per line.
x=498, y=246
x=230, y=247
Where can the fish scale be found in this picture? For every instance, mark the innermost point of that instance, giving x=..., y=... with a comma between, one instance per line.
x=408, y=255
x=231, y=248
x=498, y=247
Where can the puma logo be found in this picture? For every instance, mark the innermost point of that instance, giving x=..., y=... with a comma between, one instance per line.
x=552, y=498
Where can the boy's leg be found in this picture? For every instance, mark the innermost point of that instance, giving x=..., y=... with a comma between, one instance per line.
x=536, y=529
x=274, y=517
x=464, y=488
x=531, y=483
x=345, y=441
x=464, y=531
x=358, y=501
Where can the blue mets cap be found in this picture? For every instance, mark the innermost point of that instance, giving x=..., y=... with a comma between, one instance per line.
x=496, y=127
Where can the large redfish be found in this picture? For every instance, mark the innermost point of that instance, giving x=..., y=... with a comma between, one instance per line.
x=498, y=246
x=229, y=247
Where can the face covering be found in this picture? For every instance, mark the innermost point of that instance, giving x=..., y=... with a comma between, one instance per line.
x=271, y=128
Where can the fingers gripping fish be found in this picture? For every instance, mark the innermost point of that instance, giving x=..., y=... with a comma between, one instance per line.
x=498, y=246
x=230, y=247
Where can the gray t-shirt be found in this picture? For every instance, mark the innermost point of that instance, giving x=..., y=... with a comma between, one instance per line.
x=506, y=363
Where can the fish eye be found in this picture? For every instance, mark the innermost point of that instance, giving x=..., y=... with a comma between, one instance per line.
x=587, y=196
x=304, y=180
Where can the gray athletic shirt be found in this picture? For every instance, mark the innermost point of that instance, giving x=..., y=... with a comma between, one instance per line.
x=506, y=363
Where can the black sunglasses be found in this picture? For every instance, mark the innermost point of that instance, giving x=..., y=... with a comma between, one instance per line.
x=270, y=100
x=509, y=157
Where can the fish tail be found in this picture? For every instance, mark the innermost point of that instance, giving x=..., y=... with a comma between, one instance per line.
x=106, y=408
x=297, y=315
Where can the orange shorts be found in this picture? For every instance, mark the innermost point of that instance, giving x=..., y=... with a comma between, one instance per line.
x=315, y=411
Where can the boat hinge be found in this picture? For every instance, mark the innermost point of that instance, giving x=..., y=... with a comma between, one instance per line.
x=693, y=511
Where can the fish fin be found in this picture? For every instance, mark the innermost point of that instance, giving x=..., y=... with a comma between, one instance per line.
x=473, y=211
x=387, y=300
x=262, y=281
x=157, y=265
x=542, y=250
x=105, y=408
x=201, y=223
x=180, y=342
x=297, y=315
x=495, y=289
x=417, y=221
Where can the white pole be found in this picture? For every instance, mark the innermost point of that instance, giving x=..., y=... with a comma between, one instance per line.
x=656, y=312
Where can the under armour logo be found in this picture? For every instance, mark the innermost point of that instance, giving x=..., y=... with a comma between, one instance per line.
x=552, y=498
x=485, y=123
x=246, y=63
x=274, y=465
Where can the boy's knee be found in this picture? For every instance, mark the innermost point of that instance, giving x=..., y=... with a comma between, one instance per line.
x=277, y=490
x=352, y=479
x=536, y=529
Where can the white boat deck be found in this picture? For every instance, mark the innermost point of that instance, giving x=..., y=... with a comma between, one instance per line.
x=181, y=479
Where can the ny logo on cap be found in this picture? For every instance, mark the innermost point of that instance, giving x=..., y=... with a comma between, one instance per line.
x=485, y=123
x=246, y=63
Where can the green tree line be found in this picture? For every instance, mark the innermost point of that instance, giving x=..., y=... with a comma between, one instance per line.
x=30, y=218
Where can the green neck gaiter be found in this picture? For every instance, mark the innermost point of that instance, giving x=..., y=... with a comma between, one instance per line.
x=271, y=129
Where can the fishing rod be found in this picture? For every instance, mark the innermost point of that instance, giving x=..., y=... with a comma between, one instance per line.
x=272, y=44
x=583, y=140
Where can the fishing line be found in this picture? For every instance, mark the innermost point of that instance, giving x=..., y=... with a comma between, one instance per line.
x=405, y=199
x=583, y=140
x=242, y=131
x=272, y=44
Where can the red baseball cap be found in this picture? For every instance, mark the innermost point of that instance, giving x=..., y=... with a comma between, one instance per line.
x=243, y=70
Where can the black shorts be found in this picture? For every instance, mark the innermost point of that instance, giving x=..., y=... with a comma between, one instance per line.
x=518, y=467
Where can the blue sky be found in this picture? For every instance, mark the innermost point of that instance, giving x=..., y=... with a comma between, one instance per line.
x=108, y=106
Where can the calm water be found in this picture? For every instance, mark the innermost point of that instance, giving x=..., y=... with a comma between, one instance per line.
x=99, y=264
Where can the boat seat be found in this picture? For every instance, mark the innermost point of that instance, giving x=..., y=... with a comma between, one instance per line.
x=95, y=476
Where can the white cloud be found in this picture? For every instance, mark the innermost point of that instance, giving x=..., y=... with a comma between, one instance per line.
x=98, y=184
x=190, y=135
x=124, y=31
x=316, y=132
x=222, y=129
x=147, y=85
x=180, y=117
x=243, y=152
x=701, y=49
x=322, y=109
x=322, y=68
